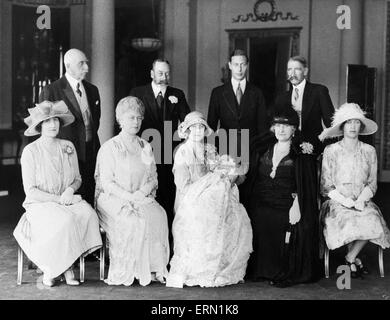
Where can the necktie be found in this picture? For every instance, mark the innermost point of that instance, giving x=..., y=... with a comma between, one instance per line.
x=160, y=99
x=296, y=94
x=78, y=90
x=239, y=94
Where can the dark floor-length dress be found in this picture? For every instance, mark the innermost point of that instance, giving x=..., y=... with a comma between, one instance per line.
x=268, y=202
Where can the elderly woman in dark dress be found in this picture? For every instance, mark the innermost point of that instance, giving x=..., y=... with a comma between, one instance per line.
x=284, y=223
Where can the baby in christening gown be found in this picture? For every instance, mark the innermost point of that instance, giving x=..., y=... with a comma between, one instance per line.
x=212, y=232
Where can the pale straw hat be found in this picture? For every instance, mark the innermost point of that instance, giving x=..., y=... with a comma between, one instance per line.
x=45, y=111
x=347, y=112
x=191, y=119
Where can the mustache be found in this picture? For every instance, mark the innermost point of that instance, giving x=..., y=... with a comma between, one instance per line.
x=289, y=78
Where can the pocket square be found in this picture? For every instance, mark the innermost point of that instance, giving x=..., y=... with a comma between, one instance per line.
x=97, y=102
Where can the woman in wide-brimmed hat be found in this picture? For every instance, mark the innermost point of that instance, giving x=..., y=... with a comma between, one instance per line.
x=348, y=182
x=58, y=226
x=280, y=195
x=211, y=230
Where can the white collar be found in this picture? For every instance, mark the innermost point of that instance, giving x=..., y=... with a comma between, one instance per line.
x=73, y=82
x=301, y=86
x=235, y=84
x=156, y=89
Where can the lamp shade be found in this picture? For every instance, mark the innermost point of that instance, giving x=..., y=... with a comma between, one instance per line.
x=146, y=44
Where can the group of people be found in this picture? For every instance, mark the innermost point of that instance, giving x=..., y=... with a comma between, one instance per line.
x=207, y=220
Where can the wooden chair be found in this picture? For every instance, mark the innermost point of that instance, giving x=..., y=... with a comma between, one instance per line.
x=102, y=258
x=380, y=261
x=102, y=254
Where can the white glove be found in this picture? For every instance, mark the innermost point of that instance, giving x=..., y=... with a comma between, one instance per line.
x=76, y=198
x=67, y=197
x=295, y=212
x=365, y=195
x=338, y=197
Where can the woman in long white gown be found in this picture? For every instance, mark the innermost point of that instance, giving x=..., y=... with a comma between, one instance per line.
x=211, y=230
x=58, y=226
x=126, y=184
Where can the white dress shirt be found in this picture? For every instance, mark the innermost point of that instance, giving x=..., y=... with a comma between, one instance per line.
x=83, y=103
x=157, y=89
x=242, y=85
x=298, y=103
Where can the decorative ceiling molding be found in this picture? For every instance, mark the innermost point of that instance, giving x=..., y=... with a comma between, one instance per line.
x=264, y=11
x=50, y=3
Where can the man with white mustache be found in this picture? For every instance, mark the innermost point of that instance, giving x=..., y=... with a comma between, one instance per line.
x=310, y=100
x=83, y=101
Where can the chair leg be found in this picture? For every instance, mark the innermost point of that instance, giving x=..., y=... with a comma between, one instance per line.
x=102, y=260
x=20, y=266
x=326, y=261
x=82, y=269
x=380, y=258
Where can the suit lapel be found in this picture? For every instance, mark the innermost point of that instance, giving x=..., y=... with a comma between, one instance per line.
x=151, y=104
x=74, y=105
x=307, y=102
x=230, y=98
x=91, y=99
x=168, y=105
x=245, y=98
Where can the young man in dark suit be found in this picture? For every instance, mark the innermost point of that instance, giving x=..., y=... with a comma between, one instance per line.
x=310, y=100
x=238, y=104
x=83, y=100
x=164, y=105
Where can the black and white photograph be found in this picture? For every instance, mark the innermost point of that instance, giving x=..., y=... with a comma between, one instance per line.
x=194, y=155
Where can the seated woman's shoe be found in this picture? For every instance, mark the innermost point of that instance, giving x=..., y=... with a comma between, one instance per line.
x=362, y=269
x=69, y=278
x=355, y=273
x=48, y=282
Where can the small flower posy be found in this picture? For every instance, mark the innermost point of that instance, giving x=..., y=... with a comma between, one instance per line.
x=68, y=149
x=173, y=99
x=307, y=148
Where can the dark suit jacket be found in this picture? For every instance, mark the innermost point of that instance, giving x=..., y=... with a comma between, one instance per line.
x=316, y=106
x=61, y=90
x=154, y=118
x=251, y=114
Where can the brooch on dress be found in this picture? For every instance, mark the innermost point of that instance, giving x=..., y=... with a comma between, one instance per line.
x=68, y=149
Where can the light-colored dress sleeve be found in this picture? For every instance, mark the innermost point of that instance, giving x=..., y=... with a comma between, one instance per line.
x=373, y=168
x=33, y=193
x=327, y=183
x=181, y=171
x=151, y=183
x=106, y=164
x=76, y=184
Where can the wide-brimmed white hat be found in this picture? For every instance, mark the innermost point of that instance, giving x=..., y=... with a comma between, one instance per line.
x=191, y=119
x=45, y=111
x=347, y=112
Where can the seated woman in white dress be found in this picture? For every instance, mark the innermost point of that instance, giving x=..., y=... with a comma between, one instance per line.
x=211, y=229
x=58, y=226
x=349, y=181
x=126, y=184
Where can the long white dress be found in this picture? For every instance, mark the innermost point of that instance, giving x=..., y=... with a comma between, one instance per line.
x=137, y=231
x=349, y=173
x=52, y=235
x=211, y=230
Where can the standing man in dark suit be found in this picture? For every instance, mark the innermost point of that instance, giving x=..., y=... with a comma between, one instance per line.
x=83, y=100
x=315, y=109
x=164, y=105
x=310, y=100
x=238, y=104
